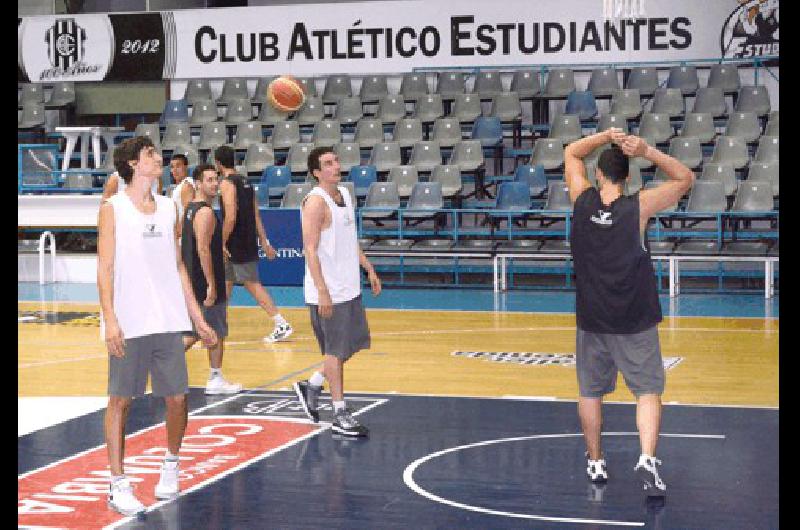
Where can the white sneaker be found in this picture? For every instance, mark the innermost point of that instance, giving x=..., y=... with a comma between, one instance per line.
x=281, y=331
x=167, y=486
x=652, y=485
x=596, y=470
x=218, y=385
x=122, y=499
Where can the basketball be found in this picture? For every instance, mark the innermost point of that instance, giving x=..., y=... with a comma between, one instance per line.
x=285, y=94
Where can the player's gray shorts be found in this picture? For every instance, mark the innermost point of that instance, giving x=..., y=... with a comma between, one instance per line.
x=598, y=356
x=217, y=317
x=241, y=272
x=161, y=355
x=345, y=332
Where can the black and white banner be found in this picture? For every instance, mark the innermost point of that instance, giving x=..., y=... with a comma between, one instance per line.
x=385, y=37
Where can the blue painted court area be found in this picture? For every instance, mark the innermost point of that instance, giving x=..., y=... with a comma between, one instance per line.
x=436, y=462
x=718, y=305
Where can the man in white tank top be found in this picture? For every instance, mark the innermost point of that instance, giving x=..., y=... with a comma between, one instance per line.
x=146, y=302
x=332, y=287
x=183, y=193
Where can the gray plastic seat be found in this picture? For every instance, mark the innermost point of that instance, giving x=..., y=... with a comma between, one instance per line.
x=699, y=125
x=425, y=199
x=78, y=181
x=446, y=131
x=428, y=108
x=238, y=111
x=309, y=86
x=449, y=84
x=767, y=150
x=644, y=79
x=297, y=158
x=753, y=197
x=549, y=152
x=32, y=93
x=772, y=128
x=349, y=110
x=744, y=125
x=603, y=82
x=257, y=157
x=336, y=88
x=247, y=134
x=558, y=196
x=559, y=83
x=413, y=85
x=731, y=150
x=687, y=150
x=474, y=245
x=626, y=102
x=269, y=116
x=32, y=116
x=373, y=88
x=506, y=106
x=197, y=90
x=431, y=245
x=467, y=155
x=349, y=155
x=212, y=135
x=176, y=133
x=381, y=195
x=697, y=248
x=312, y=111
x=488, y=84
x=407, y=131
x=405, y=177
x=710, y=100
x=684, y=78
x=720, y=172
x=566, y=127
x=63, y=93
x=203, y=111
x=189, y=151
x=391, y=108
x=661, y=248
x=449, y=176
x=744, y=248
x=765, y=171
x=234, y=89
x=326, y=133
x=707, y=196
x=753, y=98
x=425, y=155
x=152, y=131
x=260, y=95
x=634, y=182
x=369, y=131
x=466, y=107
x=392, y=244
x=725, y=77
x=526, y=84
x=668, y=101
x=385, y=156
x=655, y=125
x=285, y=134
x=294, y=194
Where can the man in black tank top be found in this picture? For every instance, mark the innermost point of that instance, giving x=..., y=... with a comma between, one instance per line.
x=241, y=231
x=617, y=307
x=201, y=249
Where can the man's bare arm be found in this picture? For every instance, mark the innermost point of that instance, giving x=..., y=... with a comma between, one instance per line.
x=110, y=187
x=574, y=168
x=105, y=279
x=313, y=220
x=204, y=223
x=227, y=193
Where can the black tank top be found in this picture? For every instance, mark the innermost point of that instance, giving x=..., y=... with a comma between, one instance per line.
x=243, y=241
x=192, y=259
x=615, y=281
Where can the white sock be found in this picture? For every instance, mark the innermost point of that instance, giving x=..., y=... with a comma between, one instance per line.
x=338, y=405
x=115, y=478
x=316, y=380
x=170, y=457
x=279, y=319
x=215, y=372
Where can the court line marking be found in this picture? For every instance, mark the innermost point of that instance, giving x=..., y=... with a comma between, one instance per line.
x=408, y=478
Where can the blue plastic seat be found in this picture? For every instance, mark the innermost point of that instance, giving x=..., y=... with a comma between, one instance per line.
x=362, y=177
x=581, y=103
x=511, y=196
x=487, y=129
x=175, y=110
x=533, y=176
x=274, y=180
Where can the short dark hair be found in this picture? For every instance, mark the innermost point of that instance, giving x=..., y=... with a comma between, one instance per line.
x=614, y=164
x=314, y=156
x=128, y=151
x=180, y=156
x=225, y=156
x=197, y=174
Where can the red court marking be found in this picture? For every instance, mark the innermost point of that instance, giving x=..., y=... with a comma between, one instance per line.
x=72, y=493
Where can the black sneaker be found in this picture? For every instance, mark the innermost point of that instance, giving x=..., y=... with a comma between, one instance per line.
x=344, y=423
x=651, y=483
x=307, y=395
x=596, y=470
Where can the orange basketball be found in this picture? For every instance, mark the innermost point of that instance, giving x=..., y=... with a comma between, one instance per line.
x=285, y=94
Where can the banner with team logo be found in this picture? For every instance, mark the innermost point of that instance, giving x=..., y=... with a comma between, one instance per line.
x=388, y=37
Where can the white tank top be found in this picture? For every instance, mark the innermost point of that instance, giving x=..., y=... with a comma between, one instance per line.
x=338, y=253
x=148, y=296
x=176, y=195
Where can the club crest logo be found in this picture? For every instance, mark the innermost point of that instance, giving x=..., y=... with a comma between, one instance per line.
x=66, y=50
x=751, y=30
